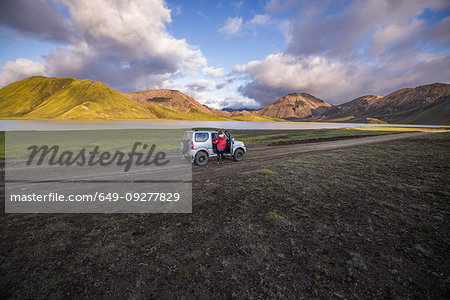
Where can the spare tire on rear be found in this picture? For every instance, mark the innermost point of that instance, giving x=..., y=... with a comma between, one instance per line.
x=201, y=158
x=184, y=145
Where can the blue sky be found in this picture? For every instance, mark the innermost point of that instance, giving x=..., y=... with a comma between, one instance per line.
x=230, y=53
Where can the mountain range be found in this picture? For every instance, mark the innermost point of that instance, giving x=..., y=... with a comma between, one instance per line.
x=427, y=104
x=55, y=98
x=71, y=99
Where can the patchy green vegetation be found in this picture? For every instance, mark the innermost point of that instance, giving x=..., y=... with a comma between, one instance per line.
x=265, y=172
x=107, y=140
x=275, y=137
x=256, y=118
x=271, y=216
x=287, y=137
x=366, y=222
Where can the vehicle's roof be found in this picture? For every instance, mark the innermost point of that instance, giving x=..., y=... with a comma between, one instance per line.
x=204, y=130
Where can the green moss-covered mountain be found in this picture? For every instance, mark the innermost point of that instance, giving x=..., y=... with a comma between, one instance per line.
x=55, y=98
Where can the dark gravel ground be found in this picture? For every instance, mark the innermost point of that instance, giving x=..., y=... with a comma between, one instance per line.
x=365, y=222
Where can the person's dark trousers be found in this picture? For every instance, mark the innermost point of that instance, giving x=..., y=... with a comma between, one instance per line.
x=219, y=155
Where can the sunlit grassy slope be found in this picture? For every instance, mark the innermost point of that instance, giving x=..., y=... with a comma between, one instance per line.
x=65, y=98
x=257, y=118
x=162, y=112
x=55, y=98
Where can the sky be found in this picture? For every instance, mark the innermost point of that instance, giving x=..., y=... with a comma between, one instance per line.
x=240, y=54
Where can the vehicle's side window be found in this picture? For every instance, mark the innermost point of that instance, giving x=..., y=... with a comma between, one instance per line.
x=201, y=137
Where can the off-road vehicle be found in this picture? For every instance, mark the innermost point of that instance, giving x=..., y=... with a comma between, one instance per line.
x=197, y=146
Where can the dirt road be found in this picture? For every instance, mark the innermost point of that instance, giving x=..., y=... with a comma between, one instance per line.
x=260, y=153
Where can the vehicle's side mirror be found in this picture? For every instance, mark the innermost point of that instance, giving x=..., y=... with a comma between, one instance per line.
x=232, y=139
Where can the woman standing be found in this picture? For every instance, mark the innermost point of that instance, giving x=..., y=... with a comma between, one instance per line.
x=221, y=143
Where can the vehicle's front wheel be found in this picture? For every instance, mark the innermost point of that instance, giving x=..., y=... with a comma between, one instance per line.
x=201, y=158
x=238, y=155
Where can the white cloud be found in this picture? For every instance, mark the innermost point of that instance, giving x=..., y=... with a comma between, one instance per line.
x=200, y=85
x=393, y=33
x=352, y=24
x=19, y=69
x=232, y=100
x=122, y=43
x=364, y=47
x=134, y=30
x=260, y=20
x=232, y=26
x=213, y=72
x=336, y=81
x=280, y=73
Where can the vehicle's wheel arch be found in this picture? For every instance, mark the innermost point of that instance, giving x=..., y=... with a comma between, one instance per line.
x=201, y=150
x=239, y=148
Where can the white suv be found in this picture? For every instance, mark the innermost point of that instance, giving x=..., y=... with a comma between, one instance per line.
x=197, y=146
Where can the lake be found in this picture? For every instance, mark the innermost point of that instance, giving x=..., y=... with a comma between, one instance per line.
x=17, y=125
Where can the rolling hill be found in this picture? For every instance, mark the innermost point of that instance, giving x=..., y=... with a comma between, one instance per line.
x=172, y=99
x=294, y=106
x=427, y=104
x=56, y=98
x=66, y=99
x=41, y=97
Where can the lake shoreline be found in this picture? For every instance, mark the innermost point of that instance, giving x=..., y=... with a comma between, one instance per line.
x=50, y=125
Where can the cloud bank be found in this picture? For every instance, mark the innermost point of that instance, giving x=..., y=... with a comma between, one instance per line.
x=340, y=53
x=122, y=43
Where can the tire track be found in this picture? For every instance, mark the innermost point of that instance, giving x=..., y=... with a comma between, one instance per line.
x=255, y=155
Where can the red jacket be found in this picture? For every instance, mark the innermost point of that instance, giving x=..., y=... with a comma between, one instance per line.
x=221, y=142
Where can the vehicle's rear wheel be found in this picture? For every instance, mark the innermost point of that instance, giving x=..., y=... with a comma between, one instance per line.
x=238, y=155
x=201, y=158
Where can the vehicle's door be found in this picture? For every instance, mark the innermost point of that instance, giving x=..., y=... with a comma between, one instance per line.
x=213, y=146
x=229, y=142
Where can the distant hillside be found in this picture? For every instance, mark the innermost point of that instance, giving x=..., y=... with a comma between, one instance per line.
x=172, y=99
x=427, y=104
x=231, y=109
x=41, y=97
x=295, y=106
x=65, y=98
x=187, y=108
